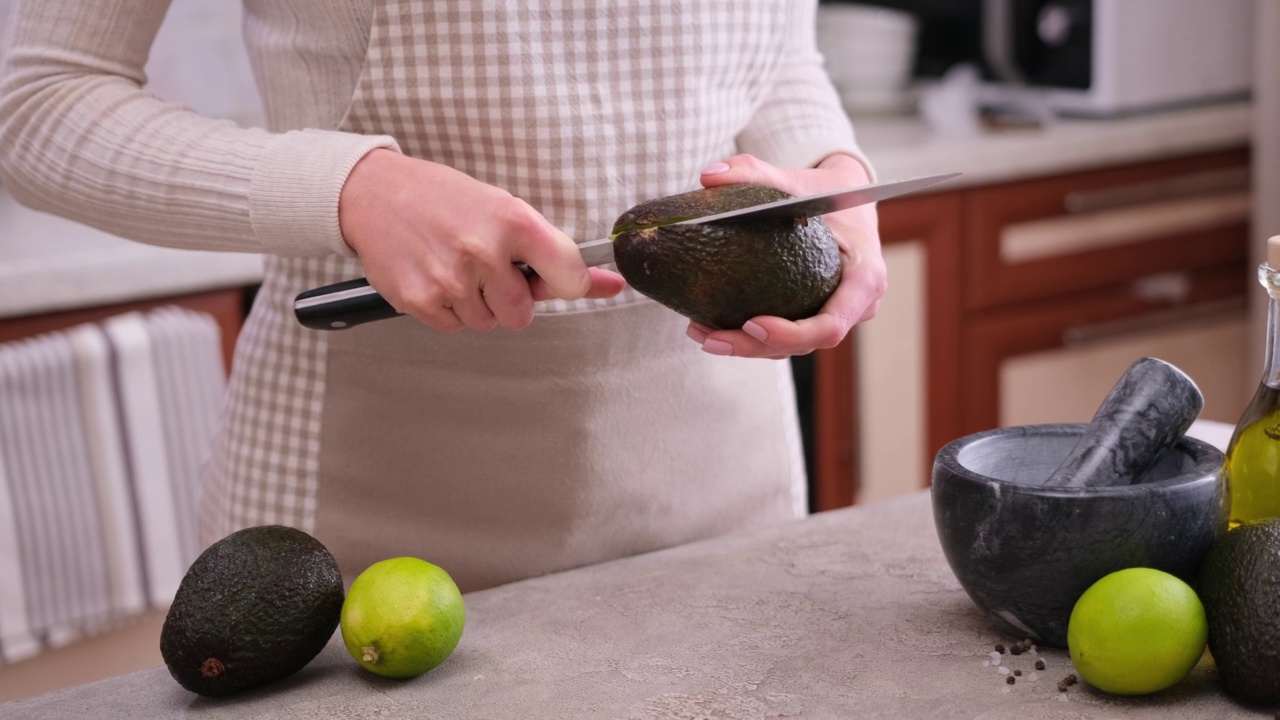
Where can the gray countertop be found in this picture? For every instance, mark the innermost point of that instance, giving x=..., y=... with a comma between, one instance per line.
x=852, y=613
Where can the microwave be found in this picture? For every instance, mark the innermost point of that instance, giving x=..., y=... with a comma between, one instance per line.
x=1090, y=57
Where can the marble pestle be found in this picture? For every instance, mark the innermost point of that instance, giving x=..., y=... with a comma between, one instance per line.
x=1147, y=411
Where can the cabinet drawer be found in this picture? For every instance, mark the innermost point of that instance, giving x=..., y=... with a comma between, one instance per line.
x=1144, y=307
x=1039, y=239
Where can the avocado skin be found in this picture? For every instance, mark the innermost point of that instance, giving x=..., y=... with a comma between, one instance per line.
x=696, y=203
x=723, y=274
x=262, y=602
x=1239, y=585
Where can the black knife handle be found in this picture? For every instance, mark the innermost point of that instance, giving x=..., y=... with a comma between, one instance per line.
x=341, y=305
x=349, y=303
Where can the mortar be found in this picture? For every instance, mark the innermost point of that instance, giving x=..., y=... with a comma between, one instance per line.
x=1025, y=552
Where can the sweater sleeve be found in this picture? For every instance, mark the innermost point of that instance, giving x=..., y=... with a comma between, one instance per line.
x=80, y=138
x=801, y=119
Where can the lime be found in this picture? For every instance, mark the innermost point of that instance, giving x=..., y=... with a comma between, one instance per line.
x=402, y=617
x=1136, y=631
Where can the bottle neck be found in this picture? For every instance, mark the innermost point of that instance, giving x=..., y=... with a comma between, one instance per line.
x=1270, y=279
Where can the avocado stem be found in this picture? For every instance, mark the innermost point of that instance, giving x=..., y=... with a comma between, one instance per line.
x=212, y=668
x=370, y=654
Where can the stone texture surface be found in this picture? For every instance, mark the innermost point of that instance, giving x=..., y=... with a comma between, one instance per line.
x=1025, y=552
x=846, y=614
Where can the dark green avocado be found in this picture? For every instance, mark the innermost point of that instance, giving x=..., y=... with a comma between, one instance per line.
x=723, y=274
x=256, y=606
x=1239, y=585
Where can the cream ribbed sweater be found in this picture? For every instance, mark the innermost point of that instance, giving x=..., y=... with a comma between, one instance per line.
x=79, y=138
x=599, y=430
x=82, y=140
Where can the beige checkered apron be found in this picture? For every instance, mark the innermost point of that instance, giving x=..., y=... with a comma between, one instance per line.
x=598, y=431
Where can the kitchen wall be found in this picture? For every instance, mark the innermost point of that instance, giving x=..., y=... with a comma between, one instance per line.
x=1266, y=165
x=198, y=59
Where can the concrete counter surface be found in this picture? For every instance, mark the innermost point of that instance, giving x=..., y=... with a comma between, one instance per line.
x=847, y=614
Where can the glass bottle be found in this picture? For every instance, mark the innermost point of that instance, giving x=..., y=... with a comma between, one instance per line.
x=1253, y=455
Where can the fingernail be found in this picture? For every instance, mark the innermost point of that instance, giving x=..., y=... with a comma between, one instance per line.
x=755, y=331
x=695, y=334
x=717, y=347
x=715, y=168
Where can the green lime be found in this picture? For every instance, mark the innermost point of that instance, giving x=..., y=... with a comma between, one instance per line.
x=402, y=617
x=1137, y=631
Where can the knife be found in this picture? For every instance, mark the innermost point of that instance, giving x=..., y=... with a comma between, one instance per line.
x=355, y=302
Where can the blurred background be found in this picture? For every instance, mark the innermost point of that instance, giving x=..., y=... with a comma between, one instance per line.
x=1121, y=168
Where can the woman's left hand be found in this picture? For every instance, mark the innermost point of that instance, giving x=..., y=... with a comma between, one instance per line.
x=862, y=281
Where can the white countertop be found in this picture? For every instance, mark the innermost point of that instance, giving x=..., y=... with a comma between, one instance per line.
x=49, y=264
x=902, y=147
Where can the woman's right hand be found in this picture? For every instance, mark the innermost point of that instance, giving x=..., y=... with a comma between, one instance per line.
x=440, y=246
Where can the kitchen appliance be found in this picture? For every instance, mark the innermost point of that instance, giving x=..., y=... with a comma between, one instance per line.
x=354, y=302
x=1090, y=57
x=868, y=52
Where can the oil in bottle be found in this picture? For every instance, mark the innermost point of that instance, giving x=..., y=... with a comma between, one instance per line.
x=1253, y=455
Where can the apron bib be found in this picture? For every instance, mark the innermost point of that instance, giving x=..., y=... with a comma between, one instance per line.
x=600, y=430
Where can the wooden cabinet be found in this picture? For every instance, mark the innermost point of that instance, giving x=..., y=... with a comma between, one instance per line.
x=926, y=231
x=1024, y=301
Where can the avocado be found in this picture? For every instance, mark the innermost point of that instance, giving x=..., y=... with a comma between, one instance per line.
x=1239, y=584
x=724, y=273
x=256, y=606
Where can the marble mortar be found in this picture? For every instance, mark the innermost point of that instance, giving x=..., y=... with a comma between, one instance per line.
x=1025, y=552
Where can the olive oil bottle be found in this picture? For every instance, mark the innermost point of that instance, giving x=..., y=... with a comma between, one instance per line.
x=1253, y=455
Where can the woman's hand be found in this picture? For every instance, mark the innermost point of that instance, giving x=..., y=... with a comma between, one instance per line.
x=862, y=281
x=440, y=245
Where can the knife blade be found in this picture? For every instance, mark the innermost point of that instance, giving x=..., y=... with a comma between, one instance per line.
x=355, y=302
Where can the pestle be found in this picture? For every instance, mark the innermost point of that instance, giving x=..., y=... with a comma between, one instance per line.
x=1147, y=411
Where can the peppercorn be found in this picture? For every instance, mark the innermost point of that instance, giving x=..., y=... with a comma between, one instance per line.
x=1039, y=664
x=1000, y=649
x=1018, y=673
x=1010, y=680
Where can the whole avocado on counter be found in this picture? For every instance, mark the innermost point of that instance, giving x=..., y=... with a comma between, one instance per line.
x=724, y=273
x=256, y=606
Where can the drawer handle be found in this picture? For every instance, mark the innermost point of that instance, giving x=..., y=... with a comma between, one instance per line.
x=1165, y=288
x=1213, y=181
x=1082, y=335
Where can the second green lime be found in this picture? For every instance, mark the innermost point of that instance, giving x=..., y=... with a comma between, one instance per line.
x=1137, y=631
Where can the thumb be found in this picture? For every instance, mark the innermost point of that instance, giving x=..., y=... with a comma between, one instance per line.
x=555, y=258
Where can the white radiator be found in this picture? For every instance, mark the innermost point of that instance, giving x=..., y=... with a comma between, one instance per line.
x=104, y=429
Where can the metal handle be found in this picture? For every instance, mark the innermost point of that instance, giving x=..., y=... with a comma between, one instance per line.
x=997, y=40
x=1083, y=335
x=1212, y=181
